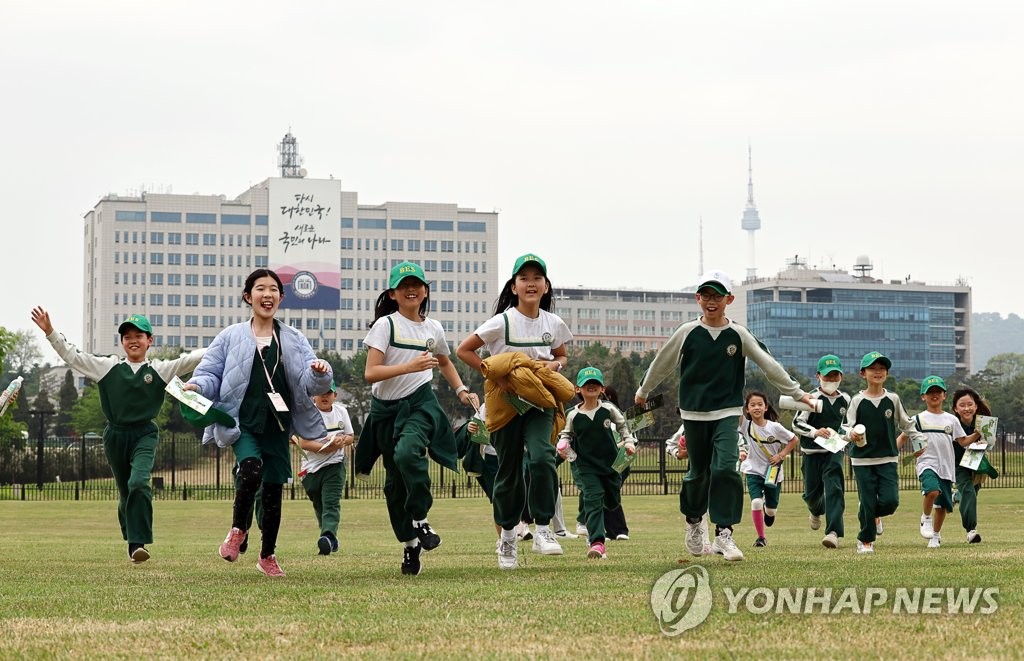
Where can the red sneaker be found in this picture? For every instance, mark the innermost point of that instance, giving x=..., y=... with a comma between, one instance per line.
x=269, y=566
x=229, y=550
x=597, y=551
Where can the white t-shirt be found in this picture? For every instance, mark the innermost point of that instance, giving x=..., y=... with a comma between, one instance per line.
x=773, y=436
x=533, y=337
x=401, y=340
x=337, y=421
x=941, y=429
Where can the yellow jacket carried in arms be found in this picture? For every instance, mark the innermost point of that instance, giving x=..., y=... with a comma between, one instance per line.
x=532, y=381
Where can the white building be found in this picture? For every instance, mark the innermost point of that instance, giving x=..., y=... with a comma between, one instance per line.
x=182, y=260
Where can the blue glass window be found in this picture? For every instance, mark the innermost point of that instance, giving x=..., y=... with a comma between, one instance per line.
x=398, y=224
x=439, y=225
x=165, y=216
x=134, y=216
x=202, y=218
x=234, y=219
x=346, y=223
x=372, y=223
x=472, y=226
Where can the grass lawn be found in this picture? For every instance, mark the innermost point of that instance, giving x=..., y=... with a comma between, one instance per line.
x=68, y=590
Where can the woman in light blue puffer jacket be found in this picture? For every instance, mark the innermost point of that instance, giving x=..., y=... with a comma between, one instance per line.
x=269, y=399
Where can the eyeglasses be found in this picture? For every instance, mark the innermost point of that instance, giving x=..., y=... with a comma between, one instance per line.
x=709, y=296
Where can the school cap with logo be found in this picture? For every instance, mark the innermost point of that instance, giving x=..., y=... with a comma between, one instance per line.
x=932, y=382
x=138, y=321
x=529, y=258
x=717, y=280
x=828, y=364
x=405, y=270
x=197, y=419
x=589, y=374
x=873, y=357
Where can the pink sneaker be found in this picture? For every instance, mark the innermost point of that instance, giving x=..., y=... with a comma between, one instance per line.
x=269, y=566
x=597, y=551
x=229, y=549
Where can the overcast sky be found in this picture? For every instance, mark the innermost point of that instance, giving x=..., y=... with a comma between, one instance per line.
x=601, y=131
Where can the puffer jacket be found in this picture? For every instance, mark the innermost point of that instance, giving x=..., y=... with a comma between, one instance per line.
x=531, y=380
x=223, y=376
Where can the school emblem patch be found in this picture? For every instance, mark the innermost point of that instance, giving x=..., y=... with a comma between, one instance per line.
x=948, y=430
x=148, y=378
x=430, y=344
x=842, y=411
x=547, y=337
x=731, y=350
x=888, y=413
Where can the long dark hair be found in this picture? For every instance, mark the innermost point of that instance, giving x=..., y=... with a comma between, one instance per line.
x=983, y=408
x=385, y=305
x=251, y=281
x=506, y=299
x=769, y=411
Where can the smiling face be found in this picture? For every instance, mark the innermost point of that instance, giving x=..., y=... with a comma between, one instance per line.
x=966, y=408
x=529, y=286
x=409, y=295
x=875, y=374
x=264, y=297
x=712, y=305
x=755, y=408
x=135, y=344
x=933, y=398
x=590, y=391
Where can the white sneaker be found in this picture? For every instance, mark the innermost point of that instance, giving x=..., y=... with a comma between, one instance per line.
x=523, y=531
x=724, y=546
x=865, y=548
x=926, y=527
x=973, y=537
x=581, y=530
x=565, y=534
x=815, y=521
x=622, y=537
x=497, y=546
x=879, y=528
x=694, y=538
x=544, y=542
x=830, y=541
x=935, y=541
x=508, y=555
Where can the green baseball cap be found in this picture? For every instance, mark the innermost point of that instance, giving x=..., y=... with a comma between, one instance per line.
x=828, y=364
x=932, y=382
x=138, y=321
x=406, y=270
x=529, y=258
x=197, y=419
x=589, y=374
x=873, y=357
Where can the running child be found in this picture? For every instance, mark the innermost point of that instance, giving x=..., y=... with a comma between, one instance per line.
x=588, y=431
x=875, y=455
x=767, y=443
x=967, y=405
x=406, y=423
x=823, y=470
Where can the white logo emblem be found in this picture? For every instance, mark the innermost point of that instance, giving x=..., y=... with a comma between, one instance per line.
x=547, y=337
x=681, y=599
x=430, y=344
x=304, y=284
x=888, y=413
x=731, y=350
x=842, y=411
x=148, y=378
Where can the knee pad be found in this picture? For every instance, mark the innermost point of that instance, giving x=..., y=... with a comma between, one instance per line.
x=250, y=471
x=757, y=504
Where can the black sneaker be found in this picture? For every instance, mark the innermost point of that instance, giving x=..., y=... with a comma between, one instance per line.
x=138, y=554
x=761, y=541
x=324, y=545
x=334, y=542
x=411, y=561
x=429, y=539
x=769, y=519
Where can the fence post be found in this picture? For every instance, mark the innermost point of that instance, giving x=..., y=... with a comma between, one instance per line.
x=173, y=461
x=184, y=490
x=216, y=454
x=82, y=468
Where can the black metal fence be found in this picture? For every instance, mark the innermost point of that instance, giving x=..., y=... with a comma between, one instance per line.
x=76, y=469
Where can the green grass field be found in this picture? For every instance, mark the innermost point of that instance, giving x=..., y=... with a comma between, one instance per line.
x=67, y=589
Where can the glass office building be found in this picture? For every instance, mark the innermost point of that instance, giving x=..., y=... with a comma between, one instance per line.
x=802, y=314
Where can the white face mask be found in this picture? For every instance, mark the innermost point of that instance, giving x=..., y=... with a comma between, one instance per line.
x=828, y=387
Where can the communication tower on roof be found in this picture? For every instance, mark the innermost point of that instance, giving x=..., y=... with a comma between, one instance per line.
x=751, y=219
x=288, y=158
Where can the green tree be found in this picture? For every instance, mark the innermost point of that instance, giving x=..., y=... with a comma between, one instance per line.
x=22, y=351
x=87, y=414
x=10, y=428
x=66, y=398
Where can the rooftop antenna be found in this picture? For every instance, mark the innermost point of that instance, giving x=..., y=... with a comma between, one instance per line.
x=288, y=158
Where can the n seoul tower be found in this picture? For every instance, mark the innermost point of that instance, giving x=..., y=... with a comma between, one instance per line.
x=751, y=219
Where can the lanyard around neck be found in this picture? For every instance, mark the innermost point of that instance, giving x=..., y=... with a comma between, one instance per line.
x=263, y=364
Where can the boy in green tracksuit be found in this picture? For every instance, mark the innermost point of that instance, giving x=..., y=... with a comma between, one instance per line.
x=823, y=470
x=875, y=453
x=588, y=431
x=711, y=355
x=131, y=394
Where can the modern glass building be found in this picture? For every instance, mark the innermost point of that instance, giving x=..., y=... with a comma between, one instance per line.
x=802, y=314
